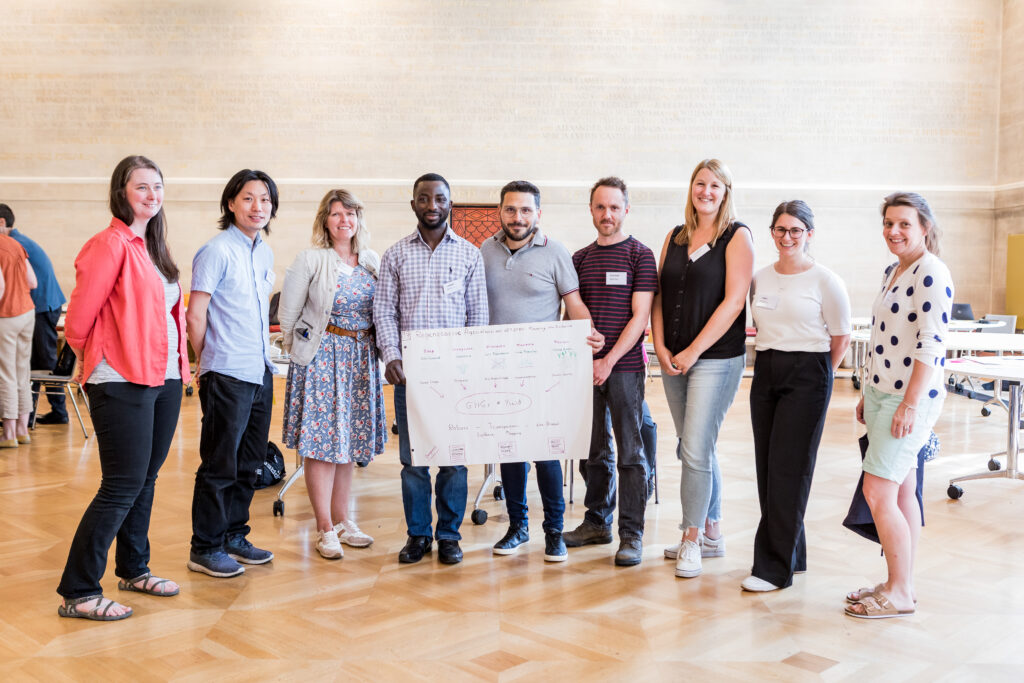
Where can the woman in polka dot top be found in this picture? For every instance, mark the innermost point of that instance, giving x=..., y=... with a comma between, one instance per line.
x=904, y=393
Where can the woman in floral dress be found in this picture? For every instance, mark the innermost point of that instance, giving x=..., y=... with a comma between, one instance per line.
x=334, y=406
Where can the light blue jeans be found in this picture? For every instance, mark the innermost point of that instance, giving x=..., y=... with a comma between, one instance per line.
x=698, y=401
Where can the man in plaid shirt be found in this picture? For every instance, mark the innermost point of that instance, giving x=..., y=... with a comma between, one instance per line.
x=431, y=279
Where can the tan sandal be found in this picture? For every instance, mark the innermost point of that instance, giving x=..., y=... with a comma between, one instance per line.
x=101, y=612
x=147, y=587
x=862, y=593
x=877, y=606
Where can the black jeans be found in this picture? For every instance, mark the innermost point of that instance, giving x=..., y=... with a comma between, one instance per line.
x=622, y=396
x=789, y=396
x=134, y=426
x=232, y=446
x=44, y=357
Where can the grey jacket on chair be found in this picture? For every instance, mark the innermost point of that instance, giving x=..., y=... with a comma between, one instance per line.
x=307, y=298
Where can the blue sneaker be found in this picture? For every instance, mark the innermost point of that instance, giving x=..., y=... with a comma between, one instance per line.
x=239, y=548
x=216, y=564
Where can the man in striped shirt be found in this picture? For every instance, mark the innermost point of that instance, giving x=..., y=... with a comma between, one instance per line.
x=618, y=278
x=431, y=279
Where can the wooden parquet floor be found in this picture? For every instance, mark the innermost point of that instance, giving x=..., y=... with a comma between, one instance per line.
x=517, y=618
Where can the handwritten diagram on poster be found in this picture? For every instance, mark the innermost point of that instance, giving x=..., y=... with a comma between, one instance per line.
x=502, y=393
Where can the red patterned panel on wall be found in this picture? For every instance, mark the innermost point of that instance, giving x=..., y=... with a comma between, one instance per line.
x=475, y=222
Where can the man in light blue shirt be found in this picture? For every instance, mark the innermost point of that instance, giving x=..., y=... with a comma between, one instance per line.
x=48, y=299
x=228, y=326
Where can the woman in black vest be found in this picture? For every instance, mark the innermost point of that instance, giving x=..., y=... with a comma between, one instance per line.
x=698, y=325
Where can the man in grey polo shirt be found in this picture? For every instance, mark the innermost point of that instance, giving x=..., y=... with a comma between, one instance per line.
x=228, y=313
x=529, y=275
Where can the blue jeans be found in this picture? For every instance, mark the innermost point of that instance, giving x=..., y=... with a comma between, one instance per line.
x=622, y=396
x=698, y=402
x=649, y=434
x=450, y=486
x=549, y=481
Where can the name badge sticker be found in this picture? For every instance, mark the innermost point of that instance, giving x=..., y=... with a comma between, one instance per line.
x=618, y=278
x=767, y=301
x=453, y=286
x=704, y=248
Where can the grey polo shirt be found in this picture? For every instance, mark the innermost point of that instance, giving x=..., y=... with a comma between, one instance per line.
x=527, y=286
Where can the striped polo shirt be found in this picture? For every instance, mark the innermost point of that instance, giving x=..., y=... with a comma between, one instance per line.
x=609, y=275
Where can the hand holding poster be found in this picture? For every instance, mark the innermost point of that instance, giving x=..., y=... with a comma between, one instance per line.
x=501, y=393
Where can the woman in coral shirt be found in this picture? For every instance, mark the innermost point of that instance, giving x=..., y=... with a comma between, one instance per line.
x=126, y=324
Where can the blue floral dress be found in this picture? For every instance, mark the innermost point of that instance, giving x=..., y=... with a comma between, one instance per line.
x=334, y=407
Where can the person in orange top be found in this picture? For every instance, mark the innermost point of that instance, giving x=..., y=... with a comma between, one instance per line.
x=17, y=320
x=126, y=324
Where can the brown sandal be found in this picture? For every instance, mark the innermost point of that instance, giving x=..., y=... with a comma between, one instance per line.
x=877, y=606
x=101, y=612
x=147, y=587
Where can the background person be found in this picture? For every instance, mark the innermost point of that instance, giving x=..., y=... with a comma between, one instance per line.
x=48, y=299
x=802, y=314
x=126, y=324
x=334, y=403
x=16, y=323
x=903, y=394
x=698, y=326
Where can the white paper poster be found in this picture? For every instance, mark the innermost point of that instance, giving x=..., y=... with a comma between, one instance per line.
x=501, y=393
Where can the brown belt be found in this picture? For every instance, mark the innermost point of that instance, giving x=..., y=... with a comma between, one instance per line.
x=358, y=335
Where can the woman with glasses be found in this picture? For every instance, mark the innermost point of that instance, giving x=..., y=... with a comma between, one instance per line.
x=802, y=315
x=698, y=325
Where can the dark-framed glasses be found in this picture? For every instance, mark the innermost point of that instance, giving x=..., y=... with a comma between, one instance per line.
x=793, y=232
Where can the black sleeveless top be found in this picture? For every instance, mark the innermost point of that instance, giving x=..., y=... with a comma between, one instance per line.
x=690, y=293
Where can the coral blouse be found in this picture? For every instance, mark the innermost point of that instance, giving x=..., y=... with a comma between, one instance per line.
x=117, y=310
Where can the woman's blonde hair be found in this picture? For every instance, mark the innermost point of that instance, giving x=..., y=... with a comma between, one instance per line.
x=322, y=236
x=726, y=211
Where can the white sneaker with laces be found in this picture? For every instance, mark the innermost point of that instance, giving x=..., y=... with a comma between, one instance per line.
x=350, y=534
x=757, y=585
x=688, y=561
x=708, y=548
x=328, y=546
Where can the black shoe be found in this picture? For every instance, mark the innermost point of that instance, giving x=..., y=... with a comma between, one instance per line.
x=448, y=551
x=241, y=550
x=52, y=418
x=588, y=533
x=415, y=548
x=554, y=547
x=631, y=551
x=516, y=535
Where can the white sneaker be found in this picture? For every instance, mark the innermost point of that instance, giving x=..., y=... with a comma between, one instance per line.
x=756, y=585
x=328, y=546
x=708, y=548
x=688, y=561
x=350, y=534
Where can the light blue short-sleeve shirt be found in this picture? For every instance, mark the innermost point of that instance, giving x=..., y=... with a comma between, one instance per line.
x=238, y=274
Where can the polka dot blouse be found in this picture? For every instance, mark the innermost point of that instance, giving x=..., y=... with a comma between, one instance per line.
x=910, y=321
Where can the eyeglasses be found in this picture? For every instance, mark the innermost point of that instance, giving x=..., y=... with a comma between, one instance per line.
x=793, y=232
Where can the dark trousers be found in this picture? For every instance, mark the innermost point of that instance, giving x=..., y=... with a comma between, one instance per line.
x=450, y=486
x=549, y=481
x=134, y=426
x=232, y=446
x=622, y=397
x=648, y=434
x=788, y=400
x=44, y=357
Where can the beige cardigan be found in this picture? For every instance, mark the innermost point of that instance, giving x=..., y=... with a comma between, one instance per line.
x=307, y=297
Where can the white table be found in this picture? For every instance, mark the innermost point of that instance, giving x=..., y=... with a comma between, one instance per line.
x=984, y=325
x=955, y=342
x=1011, y=371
